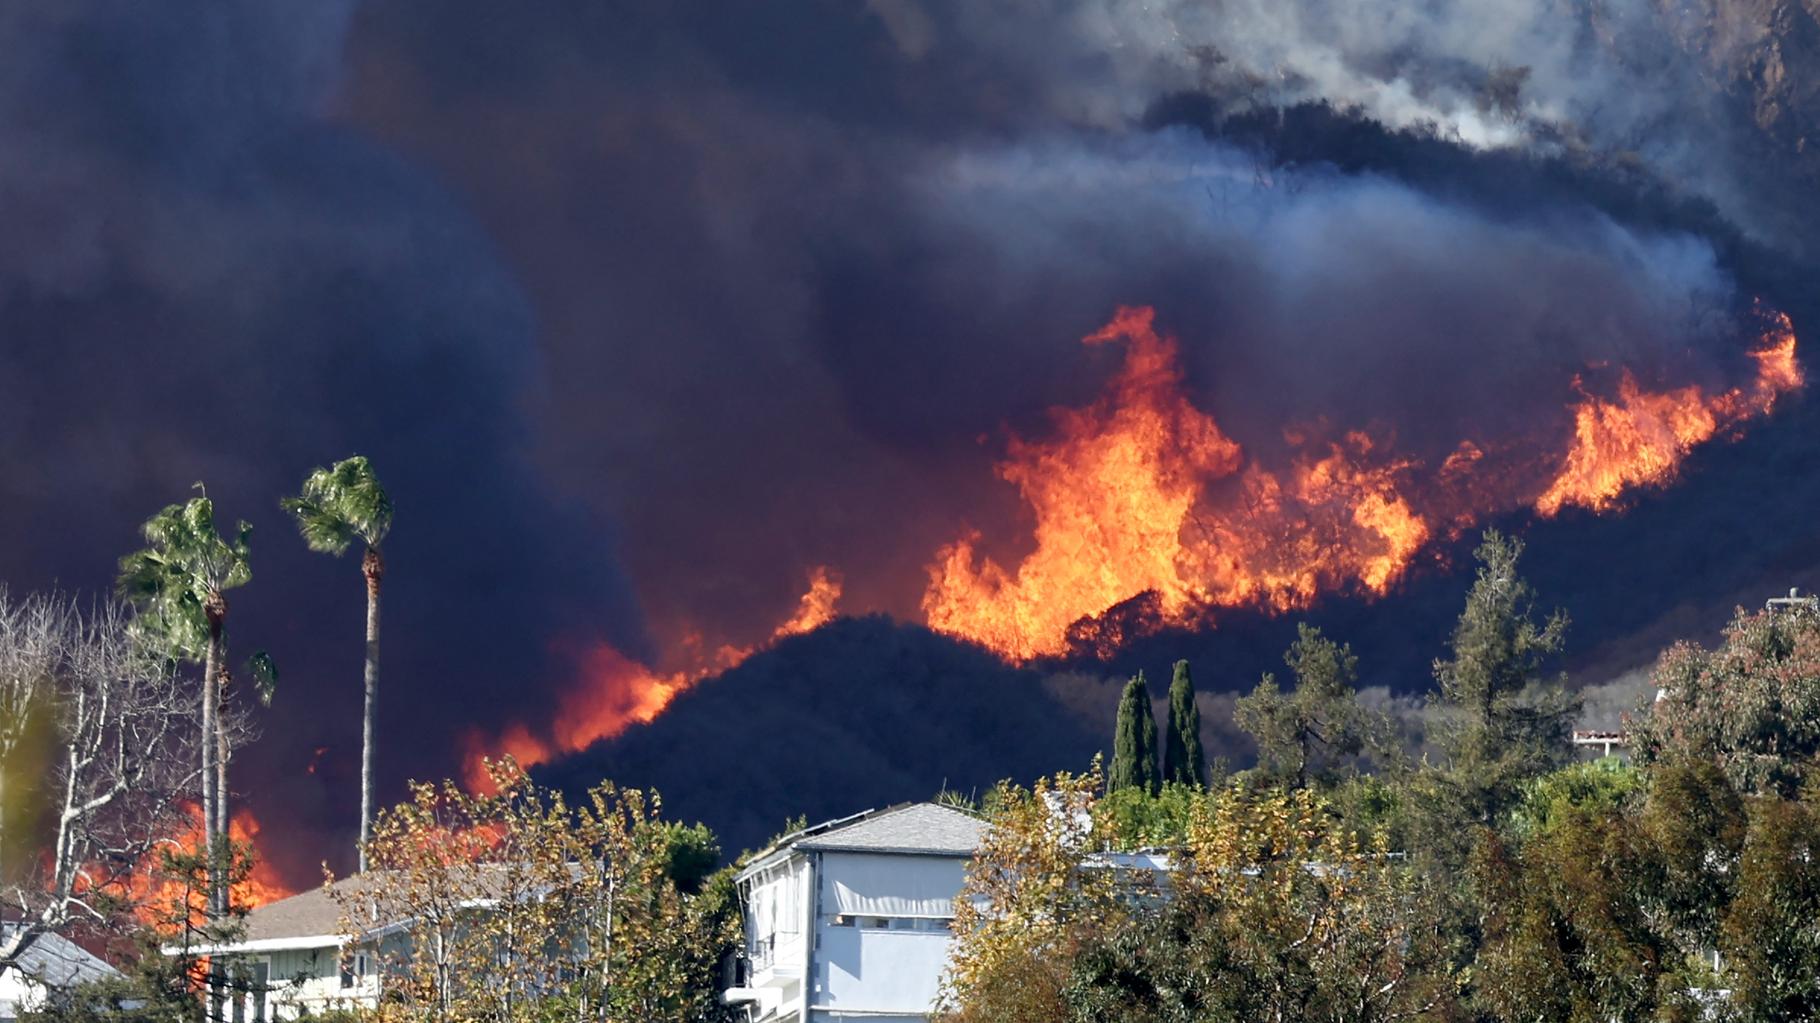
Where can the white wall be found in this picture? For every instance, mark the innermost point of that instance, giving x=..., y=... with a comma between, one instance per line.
x=776, y=913
x=864, y=968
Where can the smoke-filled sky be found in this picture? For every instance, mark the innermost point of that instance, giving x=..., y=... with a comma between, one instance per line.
x=644, y=310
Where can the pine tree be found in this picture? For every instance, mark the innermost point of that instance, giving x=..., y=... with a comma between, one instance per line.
x=1184, y=762
x=1310, y=734
x=1513, y=724
x=1134, y=760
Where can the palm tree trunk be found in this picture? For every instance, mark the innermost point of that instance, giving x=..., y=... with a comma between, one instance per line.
x=210, y=838
x=210, y=748
x=222, y=802
x=373, y=567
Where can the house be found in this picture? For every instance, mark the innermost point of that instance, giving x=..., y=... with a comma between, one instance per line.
x=852, y=919
x=51, y=964
x=292, y=952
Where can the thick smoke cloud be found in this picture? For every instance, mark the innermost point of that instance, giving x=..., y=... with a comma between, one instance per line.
x=729, y=291
x=203, y=279
x=761, y=242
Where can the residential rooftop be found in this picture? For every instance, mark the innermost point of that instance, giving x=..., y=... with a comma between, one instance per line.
x=917, y=829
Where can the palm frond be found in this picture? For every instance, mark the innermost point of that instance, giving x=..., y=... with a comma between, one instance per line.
x=186, y=563
x=340, y=504
x=264, y=672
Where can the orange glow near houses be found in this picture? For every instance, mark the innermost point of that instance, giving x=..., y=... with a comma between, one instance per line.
x=153, y=896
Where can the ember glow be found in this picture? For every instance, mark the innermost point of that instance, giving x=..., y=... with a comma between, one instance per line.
x=617, y=692
x=1141, y=495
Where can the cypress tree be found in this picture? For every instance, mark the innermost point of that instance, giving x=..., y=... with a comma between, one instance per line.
x=1183, y=761
x=1134, y=761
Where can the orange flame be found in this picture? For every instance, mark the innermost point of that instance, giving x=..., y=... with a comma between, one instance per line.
x=153, y=895
x=816, y=608
x=1148, y=515
x=1125, y=504
x=1140, y=496
x=1640, y=438
x=619, y=692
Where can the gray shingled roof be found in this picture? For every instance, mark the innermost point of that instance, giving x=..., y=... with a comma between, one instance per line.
x=304, y=915
x=912, y=828
x=315, y=913
x=56, y=961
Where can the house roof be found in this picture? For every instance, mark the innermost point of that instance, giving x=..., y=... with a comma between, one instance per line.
x=921, y=829
x=310, y=914
x=313, y=919
x=56, y=961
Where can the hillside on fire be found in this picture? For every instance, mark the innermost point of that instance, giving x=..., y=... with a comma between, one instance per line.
x=703, y=417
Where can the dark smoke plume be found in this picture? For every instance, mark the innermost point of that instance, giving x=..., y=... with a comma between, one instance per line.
x=718, y=293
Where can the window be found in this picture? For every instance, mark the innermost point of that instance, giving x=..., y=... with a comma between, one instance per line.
x=352, y=969
x=929, y=925
x=262, y=975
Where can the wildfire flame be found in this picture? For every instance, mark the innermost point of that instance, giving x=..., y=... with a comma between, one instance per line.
x=619, y=692
x=1640, y=438
x=1126, y=504
x=1140, y=495
x=1147, y=515
x=153, y=895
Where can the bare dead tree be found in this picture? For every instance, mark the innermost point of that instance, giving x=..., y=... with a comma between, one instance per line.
x=115, y=727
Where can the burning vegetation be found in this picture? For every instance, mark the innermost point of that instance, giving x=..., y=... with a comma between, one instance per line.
x=1141, y=493
x=618, y=692
x=1148, y=515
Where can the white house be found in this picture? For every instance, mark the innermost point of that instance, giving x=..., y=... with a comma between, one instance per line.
x=851, y=919
x=51, y=964
x=292, y=949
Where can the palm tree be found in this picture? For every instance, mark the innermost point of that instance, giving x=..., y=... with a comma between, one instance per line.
x=179, y=584
x=339, y=505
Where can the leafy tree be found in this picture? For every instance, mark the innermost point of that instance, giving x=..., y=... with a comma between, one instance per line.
x=1130, y=818
x=522, y=907
x=1272, y=914
x=1184, y=763
x=1567, y=935
x=1694, y=825
x=1134, y=752
x=1597, y=787
x=1511, y=725
x=1305, y=735
x=179, y=582
x=1751, y=706
x=338, y=506
x=1769, y=943
x=1031, y=901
